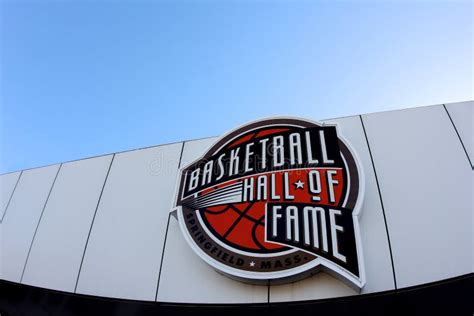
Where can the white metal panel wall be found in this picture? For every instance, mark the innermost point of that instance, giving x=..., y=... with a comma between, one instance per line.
x=378, y=266
x=21, y=219
x=187, y=278
x=472, y=221
x=426, y=189
x=1, y=251
x=7, y=186
x=425, y=181
x=124, y=251
x=194, y=149
x=8, y=183
x=319, y=286
x=462, y=115
x=57, y=250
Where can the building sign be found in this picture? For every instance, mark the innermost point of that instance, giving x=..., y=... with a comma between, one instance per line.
x=277, y=200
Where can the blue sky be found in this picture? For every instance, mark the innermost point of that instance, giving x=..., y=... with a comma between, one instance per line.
x=83, y=78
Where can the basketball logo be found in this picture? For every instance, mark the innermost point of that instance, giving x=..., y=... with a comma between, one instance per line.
x=275, y=200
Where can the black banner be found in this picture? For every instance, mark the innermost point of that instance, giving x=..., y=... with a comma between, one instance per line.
x=326, y=231
x=309, y=147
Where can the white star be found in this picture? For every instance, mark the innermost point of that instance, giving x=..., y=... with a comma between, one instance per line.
x=252, y=264
x=299, y=184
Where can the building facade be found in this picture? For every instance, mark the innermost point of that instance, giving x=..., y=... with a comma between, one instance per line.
x=98, y=233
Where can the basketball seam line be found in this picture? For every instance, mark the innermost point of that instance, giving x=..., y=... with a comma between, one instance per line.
x=238, y=220
x=250, y=218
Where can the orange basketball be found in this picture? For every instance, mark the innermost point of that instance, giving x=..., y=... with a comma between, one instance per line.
x=241, y=225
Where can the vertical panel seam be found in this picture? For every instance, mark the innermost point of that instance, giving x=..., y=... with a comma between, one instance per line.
x=268, y=293
x=166, y=233
x=381, y=202
x=162, y=257
x=92, y=222
x=11, y=196
x=181, y=155
x=39, y=221
x=459, y=137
